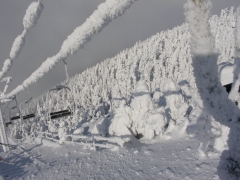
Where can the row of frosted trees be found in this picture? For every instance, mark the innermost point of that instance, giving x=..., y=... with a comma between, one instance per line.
x=164, y=55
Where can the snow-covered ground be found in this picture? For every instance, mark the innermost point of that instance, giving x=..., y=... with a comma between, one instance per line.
x=175, y=143
x=155, y=99
x=176, y=158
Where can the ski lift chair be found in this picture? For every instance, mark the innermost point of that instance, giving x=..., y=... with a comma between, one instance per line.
x=27, y=104
x=14, y=115
x=8, y=123
x=62, y=113
x=5, y=114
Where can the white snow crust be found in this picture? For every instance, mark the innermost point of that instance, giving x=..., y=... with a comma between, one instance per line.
x=225, y=71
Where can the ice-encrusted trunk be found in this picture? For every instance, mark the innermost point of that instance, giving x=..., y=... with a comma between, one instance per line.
x=234, y=94
x=213, y=97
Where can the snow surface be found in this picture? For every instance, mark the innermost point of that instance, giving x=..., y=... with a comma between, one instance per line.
x=173, y=159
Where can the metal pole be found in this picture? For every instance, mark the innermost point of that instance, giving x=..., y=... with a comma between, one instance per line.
x=3, y=132
x=66, y=70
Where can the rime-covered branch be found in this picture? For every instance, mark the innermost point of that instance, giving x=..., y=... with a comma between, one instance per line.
x=106, y=12
x=30, y=19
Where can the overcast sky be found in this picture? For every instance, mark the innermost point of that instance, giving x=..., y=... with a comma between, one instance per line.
x=60, y=17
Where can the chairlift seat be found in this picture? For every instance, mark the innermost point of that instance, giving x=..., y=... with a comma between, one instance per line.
x=60, y=114
x=28, y=116
x=14, y=118
x=8, y=123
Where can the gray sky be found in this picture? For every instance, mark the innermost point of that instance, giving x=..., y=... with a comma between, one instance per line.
x=60, y=17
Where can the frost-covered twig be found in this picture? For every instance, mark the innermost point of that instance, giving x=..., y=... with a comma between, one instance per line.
x=30, y=20
x=106, y=12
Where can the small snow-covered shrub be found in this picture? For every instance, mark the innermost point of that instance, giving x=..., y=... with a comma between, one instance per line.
x=176, y=107
x=155, y=123
x=174, y=99
x=121, y=122
x=62, y=131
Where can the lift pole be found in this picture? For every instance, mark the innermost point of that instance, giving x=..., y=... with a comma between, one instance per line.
x=66, y=70
x=3, y=135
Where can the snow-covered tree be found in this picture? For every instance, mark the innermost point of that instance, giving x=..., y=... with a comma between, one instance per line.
x=121, y=122
x=141, y=104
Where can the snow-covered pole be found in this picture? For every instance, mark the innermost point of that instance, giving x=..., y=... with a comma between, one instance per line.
x=66, y=70
x=30, y=20
x=237, y=62
x=234, y=94
x=3, y=135
x=204, y=56
x=106, y=12
x=213, y=96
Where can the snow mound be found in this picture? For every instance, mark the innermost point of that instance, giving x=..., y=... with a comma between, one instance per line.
x=155, y=123
x=46, y=142
x=101, y=126
x=225, y=71
x=141, y=87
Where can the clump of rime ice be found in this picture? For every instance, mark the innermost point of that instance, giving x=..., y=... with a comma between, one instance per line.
x=140, y=118
x=106, y=12
x=32, y=15
x=30, y=20
x=17, y=45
